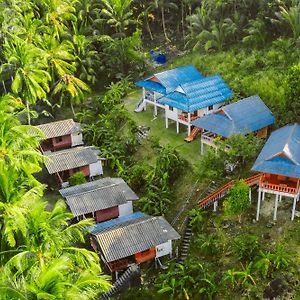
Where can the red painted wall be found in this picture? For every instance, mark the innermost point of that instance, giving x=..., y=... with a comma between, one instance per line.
x=65, y=143
x=145, y=255
x=106, y=214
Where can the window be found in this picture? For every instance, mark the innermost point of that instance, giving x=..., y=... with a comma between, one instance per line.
x=211, y=107
x=171, y=108
x=59, y=139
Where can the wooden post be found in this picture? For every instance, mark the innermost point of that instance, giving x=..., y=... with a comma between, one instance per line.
x=275, y=209
x=294, y=207
x=258, y=204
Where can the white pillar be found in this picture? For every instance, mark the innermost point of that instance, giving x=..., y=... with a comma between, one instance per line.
x=167, y=121
x=155, y=107
x=250, y=195
x=280, y=198
x=177, y=126
x=189, y=121
x=263, y=196
x=215, y=205
x=258, y=204
x=294, y=207
x=201, y=147
x=275, y=209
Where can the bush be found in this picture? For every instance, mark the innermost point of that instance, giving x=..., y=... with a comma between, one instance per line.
x=77, y=178
x=246, y=246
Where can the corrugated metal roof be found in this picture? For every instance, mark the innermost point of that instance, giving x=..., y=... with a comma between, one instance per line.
x=281, y=153
x=247, y=115
x=59, y=128
x=97, y=195
x=132, y=236
x=198, y=94
x=69, y=159
x=169, y=80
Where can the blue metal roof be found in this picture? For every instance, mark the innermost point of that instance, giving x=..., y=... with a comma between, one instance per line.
x=198, y=94
x=169, y=80
x=108, y=224
x=247, y=115
x=281, y=153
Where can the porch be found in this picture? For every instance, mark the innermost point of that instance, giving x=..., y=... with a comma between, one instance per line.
x=279, y=183
x=208, y=138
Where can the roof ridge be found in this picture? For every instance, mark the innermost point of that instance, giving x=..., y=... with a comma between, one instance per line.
x=70, y=150
x=286, y=144
x=96, y=189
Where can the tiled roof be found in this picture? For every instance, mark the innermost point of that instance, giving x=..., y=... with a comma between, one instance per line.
x=281, y=153
x=198, y=94
x=131, y=234
x=59, y=128
x=247, y=115
x=69, y=159
x=97, y=195
x=169, y=80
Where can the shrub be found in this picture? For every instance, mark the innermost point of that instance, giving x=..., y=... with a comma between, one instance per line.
x=246, y=246
x=77, y=178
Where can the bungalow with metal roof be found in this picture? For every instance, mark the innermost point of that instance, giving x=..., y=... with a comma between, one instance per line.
x=195, y=99
x=60, y=135
x=279, y=166
x=67, y=162
x=249, y=115
x=162, y=83
x=103, y=199
x=132, y=239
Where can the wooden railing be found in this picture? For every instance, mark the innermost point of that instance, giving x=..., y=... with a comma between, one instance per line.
x=279, y=188
x=185, y=118
x=222, y=191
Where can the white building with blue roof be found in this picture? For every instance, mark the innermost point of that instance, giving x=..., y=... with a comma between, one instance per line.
x=185, y=94
x=162, y=83
x=279, y=166
x=249, y=115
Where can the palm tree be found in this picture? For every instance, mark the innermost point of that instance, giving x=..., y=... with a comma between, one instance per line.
x=118, y=14
x=58, y=15
x=291, y=16
x=58, y=55
x=28, y=66
x=163, y=5
x=69, y=88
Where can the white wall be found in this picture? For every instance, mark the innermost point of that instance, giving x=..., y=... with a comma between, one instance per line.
x=96, y=168
x=172, y=114
x=164, y=249
x=76, y=139
x=125, y=209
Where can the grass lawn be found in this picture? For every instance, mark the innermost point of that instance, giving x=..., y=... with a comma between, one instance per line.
x=189, y=151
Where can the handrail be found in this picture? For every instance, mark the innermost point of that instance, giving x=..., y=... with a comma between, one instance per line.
x=222, y=191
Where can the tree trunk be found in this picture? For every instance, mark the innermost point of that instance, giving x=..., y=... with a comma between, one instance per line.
x=28, y=113
x=164, y=24
x=148, y=28
x=182, y=20
x=72, y=108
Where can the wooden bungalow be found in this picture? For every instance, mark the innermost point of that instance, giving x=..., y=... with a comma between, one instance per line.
x=102, y=199
x=65, y=163
x=132, y=239
x=60, y=135
x=160, y=84
x=279, y=166
x=249, y=115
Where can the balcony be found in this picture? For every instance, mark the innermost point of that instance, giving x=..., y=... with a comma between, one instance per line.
x=208, y=138
x=279, y=187
x=185, y=118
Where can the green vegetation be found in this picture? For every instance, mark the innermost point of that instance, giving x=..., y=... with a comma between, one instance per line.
x=77, y=178
x=79, y=58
